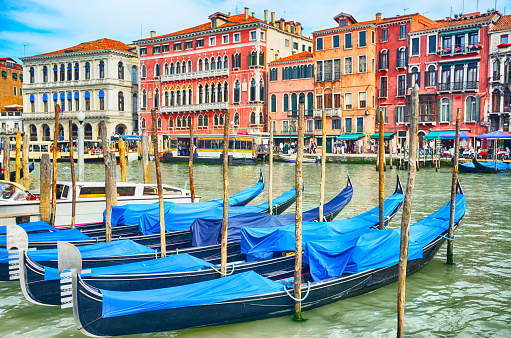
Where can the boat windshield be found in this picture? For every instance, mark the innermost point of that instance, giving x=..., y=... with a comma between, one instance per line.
x=166, y=191
x=7, y=191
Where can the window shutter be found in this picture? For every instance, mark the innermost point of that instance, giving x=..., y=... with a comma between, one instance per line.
x=450, y=109
x=426, y=76
x=379, y=60
x=396, y=119
x=419, y=79
x=397, y=57
x=436, y=78
x=283, y=74
x=478, y=108
x=406, y=56
x=409, y=80
x=378, y=115
x=438, y=110
x=249, y=59
x=467, y=110
x=386, y=114
x=233, y=64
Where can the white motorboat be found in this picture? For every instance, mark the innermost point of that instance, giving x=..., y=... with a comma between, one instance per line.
x=90, y=199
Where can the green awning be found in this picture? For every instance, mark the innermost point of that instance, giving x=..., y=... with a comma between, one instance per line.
x=349, y=137
x=435, y=134
x=460, y=31
x=386, y=136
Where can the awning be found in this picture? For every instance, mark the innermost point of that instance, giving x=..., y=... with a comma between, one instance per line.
x=459, y=31
x=435, y=134
x=349, y=137
x=386, y=136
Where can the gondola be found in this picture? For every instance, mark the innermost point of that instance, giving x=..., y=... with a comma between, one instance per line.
x=41, y=285
x=489, y=167
x=466, y=167
x=12, y=176
x=249, y=296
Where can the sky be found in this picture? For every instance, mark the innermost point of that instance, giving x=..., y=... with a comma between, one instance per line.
x=31, y=27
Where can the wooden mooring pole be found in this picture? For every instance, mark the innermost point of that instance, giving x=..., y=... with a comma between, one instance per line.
x=298, y=216
x=391, y=149
x=407, y=211
x=163, y=239
x=122, y=159
x=110, y=180
x=381, y=179
x=190, y=164
x=270, y=168
x=24, y=162
x=223, y=260
x=145, y=155
x=450, y=243
x=45, y=190
x=17, y=165
x=7, y=158
x=73, y=178
x=54, y=176
x=323, y=172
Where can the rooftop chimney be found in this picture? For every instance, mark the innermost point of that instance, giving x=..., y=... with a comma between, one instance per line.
x=266, y=16
x=153, y=34
x=229, y=15
x=253, y=15
x=273, y=18
x=246, y=13
x=378, y=17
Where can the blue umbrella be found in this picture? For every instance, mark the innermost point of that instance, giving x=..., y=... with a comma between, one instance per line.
x=452, y=136
x=494, y=135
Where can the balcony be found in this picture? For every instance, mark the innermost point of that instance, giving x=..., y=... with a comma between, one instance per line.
x=195, y=75
x=330, y=112
x=75, y=83
x=71, y=115
x=195, y=107
x=458, y=86
x=462, y=49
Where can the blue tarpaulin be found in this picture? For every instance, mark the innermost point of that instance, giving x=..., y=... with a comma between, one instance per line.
x=117, y=303
x=206, y=231
x=501, y=165
x=31, y=227
x=174, y=263
x=63, y=235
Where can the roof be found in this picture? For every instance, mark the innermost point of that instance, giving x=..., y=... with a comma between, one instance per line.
x=448, y=23
x=295, y=57
x=354, y=26
x=231, y=21
x=101, y=44
x=503, y=24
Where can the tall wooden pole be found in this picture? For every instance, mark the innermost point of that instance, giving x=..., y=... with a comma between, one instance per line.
x=24, y=155
x=223, y=261
x=270, y=168
x=190, y=164
x=450, y=244
x=73, y=178
x=298, y=216
x=54, y=182
x=145, y=155
x=7, y=159
x=407, y=211
x=122, y=159
x=110, y=180
x=17, y=165
x=323, y=172
x=45, y=182
x=390, y=152
x=163, y=243
x=381, y=179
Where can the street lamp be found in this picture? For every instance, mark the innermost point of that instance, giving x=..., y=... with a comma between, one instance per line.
x=81, y=118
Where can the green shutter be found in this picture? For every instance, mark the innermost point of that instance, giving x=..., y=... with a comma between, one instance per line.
x=386, y=114
x=378, y=115
x=395, y=115
x=478, y=109
x=450, y=109
x=438, y=111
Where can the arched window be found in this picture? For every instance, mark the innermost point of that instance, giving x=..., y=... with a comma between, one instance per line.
x=206, y=121
x=189, y=66
x=102, y=70
x=172, y=97
x=189, y=121
x=213, y=93
x=45, y=74
x=171, y=122
x=252, y=90
x=445, y=110
x=142, y=123
x=261, y=90
x=252, y=118
x=87, y=70
x=178, y=122
x=236, y=119
x=285, y=103
x=296, y=74
x=183, y=122
x=144, y=99
x=184, y=97
x=507, y=71
x=199, y=66
x=294, y=104
x=199, y=121
x=156, y=99
x=32, y=75
x=101, y=100
x=77, y=71
x=121, y=101
x=215, y=119
x=158, y=123
x=311, y=71
x=157, y=70
x=496, y=70
x=190, y=98
x=310, y=103
x=172, y=68
x=206, y=64
x=120, y=71
x=206, y=93
x=261, y=118
x=273, y=103
x=55, y=73
x=415, y=77
x=134, y=103
x=213, y=64
x=221, y=119
x=178, y=97
x=201, y=93
x=178, y=68
x=471, y=109
x=431, y=76
x=219, y=62
x=166, y=69
x=69, y=72
x=237, y=91
x=166, y=98
x=87, y=101
x=219, y=93
x=226, y=92
x=62, y=72
x=226, y=62
x=303, y=72
x=144, y=71
x=32, y=103
x=183, y=67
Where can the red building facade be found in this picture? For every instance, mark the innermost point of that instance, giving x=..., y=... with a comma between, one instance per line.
x=195, y=75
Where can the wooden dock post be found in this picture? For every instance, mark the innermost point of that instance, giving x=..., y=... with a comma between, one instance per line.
x=7, y=158
x=73, y=178
x=450, y=243
x=270, y=169
x=45, y=190
x=298, y=216
x=381, y=179
x=110, y=180
x=190, y=164
x=122, y=159
x=24, y=162
x=145, y=155
x=323, y=172
x=163, y=242
x=54, y=176
x=390, y=152
x=225, y=218
x=407, y=211
x=17, y=165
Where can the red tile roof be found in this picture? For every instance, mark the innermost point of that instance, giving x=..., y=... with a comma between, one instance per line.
x=503, y=24
x=454, y=22
x=354, y=26
x=93, y=45
x=295, y=57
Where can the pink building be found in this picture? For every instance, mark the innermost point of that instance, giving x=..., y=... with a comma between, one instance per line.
x=195, y=75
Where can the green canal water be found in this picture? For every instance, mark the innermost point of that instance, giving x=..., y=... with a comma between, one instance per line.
x=470, y=299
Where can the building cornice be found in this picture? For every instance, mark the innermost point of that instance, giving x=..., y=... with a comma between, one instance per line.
x=78, y=55
x=398, y=22
x=452, y=28
x=344, y=29
x=290, y=61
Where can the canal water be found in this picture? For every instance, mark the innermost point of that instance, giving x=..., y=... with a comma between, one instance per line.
x=472, y=298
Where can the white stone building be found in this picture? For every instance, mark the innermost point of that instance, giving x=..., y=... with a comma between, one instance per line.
x=97, y=77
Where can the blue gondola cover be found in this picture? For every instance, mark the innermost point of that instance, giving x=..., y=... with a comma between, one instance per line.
x=63, y=235
x=31, y=226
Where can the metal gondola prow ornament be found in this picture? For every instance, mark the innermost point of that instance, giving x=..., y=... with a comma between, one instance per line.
x=399, y=186
x=16, y=238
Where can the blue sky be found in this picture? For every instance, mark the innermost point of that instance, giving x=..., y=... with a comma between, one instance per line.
x=30, y=27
